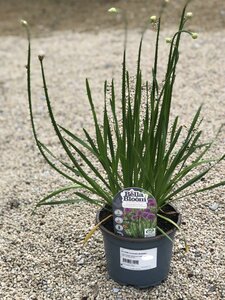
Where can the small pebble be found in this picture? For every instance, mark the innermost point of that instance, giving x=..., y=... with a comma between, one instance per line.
x=214, y=206
x=212, y=288
x=81, y=261
x=115, y=290
x=14, y=204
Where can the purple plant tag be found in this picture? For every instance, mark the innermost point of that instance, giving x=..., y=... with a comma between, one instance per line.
x=135, y=213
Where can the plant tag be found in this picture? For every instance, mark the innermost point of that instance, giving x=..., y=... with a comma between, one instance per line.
x=135, y=213
x=138, y=260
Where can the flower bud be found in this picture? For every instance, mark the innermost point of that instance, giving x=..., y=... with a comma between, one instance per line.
x=194, y=35
x=23, y=22
x=153, y=19
x=113, y=10
x=189, y=15
x=41, y=55
x=168, y=40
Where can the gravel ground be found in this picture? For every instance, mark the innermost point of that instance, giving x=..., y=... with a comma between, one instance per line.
x=46, y=16
x=42, y=256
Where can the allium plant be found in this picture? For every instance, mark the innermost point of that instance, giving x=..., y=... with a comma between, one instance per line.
x=134, y=149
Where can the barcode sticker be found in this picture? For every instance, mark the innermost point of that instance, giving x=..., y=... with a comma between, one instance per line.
x=130, y=261
x=138, y=260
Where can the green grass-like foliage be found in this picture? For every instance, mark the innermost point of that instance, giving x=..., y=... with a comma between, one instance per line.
x=134, y=149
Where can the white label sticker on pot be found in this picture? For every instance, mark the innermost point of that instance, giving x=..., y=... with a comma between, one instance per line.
x=138, y=260
x=150, y=232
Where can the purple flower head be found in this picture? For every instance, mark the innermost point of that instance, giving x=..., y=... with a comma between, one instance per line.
x=139, y=213
x=134, y=218
x=147, y=210
x=151, y=216
x=145, y=214
x=127, y=210
x=151, y=202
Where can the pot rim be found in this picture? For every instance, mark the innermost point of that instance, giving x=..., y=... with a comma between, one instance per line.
x=129, y=239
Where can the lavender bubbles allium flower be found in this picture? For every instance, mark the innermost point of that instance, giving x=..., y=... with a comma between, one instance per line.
x=148, y=215
x=151, y=216
x=145, y=214
x=139, y=213
x=134, y=217
x=151, y=202
x=127, y=210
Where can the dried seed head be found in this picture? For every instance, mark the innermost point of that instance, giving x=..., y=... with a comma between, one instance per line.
x=41, y=55
x=24, y=23
x=194, y=35
x=113, y=10
x=189, y=15
x=153, y=19
x=168, y=40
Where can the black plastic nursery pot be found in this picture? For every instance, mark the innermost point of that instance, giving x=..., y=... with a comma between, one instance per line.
x=141, y=262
